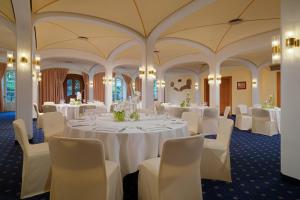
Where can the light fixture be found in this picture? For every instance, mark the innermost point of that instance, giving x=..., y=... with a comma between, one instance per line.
x=196, y=85
x=133, y=85
x=292, y=42
x=276, y=50
x=211, y=78
x=142, y=72
x=37, y=62
x=23, y=60
x=254, y=83
x=10, y=59
x=219, y=79
x=151, y=73
x=108, y=80
x=160, y=83
x=91, y=84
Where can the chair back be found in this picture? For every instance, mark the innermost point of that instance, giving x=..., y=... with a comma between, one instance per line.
x=260, y=113
x=192, y=119
x=179, y=176
x=176, y=111
x=49, y=103
x=49, y=108
x=159, y=108
x=78, y=169
x=53, y=123
x=83, y=108
x=225, y=127
x=243, y=108
x=210, y=113
x=21, y=135
x=226, y=112
x=36, y=109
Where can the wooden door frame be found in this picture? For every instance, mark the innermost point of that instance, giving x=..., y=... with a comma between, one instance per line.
x=73, y=77
x=230, y=96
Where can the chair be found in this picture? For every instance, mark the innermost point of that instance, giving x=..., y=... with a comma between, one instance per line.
x=53, y=124
x=159, y=108
x=36, y=163
x=209, y=123
x=49, y=103
x=88, y=178
x=262, y=123
x=243, y=121
x=38, y=115
x=83, y=108
x=176, y=174
x=176, y=111
x=49, y=108
x=192, y=119
x=215, y=162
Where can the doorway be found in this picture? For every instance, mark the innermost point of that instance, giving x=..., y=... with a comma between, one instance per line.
x=225, y=93
x=73, y=84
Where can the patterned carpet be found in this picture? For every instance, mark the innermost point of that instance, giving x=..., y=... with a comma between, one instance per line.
x=255, y=169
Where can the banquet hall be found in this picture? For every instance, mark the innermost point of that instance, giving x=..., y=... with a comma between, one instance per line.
x=149, y=99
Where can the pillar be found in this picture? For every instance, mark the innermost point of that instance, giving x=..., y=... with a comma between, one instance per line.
x=255, y=87
x=24, y=70
x=290, y=93
x=214, y=88
x=91, y=87
x=160, y=90
x=108, y=88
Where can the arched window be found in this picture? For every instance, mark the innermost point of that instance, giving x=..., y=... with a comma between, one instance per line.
x=73, y=84
x=119, y=89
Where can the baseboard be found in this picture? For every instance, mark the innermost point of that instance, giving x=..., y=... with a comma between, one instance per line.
x=289, y=179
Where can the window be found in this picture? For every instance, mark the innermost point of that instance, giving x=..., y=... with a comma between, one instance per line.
x=155, y=93
x=10, y=78
x=72, y=85
x=118, y=89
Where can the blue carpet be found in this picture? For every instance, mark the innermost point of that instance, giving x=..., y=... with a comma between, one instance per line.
x=255, y=161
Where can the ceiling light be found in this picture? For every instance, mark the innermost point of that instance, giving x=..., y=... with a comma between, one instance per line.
x=235, y=21
x=82, y=38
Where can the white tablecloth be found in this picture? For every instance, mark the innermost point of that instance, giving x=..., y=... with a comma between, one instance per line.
x=197, y=109
x=128, y=143
x=72, y=111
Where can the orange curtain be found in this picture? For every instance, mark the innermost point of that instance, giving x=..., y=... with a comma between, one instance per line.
x=99, y=87
x=2, y=71
x=51, y=87
x=138, y=84
x=85, y=77
x=127, y=80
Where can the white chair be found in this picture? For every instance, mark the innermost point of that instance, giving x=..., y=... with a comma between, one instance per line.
x=84, y=108
x=226, y=113
x=242, y=121
x=36, y=163
x=53, y=124
x=262, y=123
x=38, y=116
x=88, y=178
x=159, y=108
x=215, y=162
x=209, y=122
x=192, y=119
x=174, y=176
x=176, y=111
x=49, y=103
x=49, y=108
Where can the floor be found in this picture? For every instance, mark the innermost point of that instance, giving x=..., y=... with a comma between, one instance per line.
x=255, y=163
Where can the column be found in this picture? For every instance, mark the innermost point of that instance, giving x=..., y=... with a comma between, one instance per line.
x=197, y=91
x=214, y=88
x=290, y=93
x=147, y=81
x=91, y=87
x=108, y=88
x=255, y=87
x=160, y=90
x=24, y=70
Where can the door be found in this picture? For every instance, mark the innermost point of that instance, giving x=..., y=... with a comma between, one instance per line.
x=278, y=89
x=73, y=84
x=225, y=93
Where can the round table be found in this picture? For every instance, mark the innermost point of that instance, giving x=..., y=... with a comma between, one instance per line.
x=129, y=142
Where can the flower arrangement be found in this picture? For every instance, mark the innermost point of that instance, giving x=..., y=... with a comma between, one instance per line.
x=269, y=103
x=187, y=101
x=119, y=112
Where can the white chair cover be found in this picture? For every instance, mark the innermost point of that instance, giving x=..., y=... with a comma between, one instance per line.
x=159, y=108
x=79, y=171
x=49, y=103
x=262, y=123
x=174, y=176
x=226, y=112
x=176, y=111
x=53, y=124
x=192, y=119
x=209, y=123
x=243, y=108
x=84, y=108
x=36, y=163
x=38, y=115
x=242, y=121
x=49, y=108
x=215, y=162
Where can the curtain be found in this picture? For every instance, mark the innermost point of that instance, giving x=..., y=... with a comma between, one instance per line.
x=51, y=87
x=2, y=71
x=127, y=80
x=138, y=84
x=85, y=77
x=99, y=87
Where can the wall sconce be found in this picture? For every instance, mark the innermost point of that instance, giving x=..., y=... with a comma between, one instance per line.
x=211, y=78
x=160, y=84
x=91, y=84
x=152, y=73
x=109, y=80
x=219, y=79
x=196, y=85
x=10, y=59
x=254, y=83
x=133, y=85
x=23, y=60
x=142, y=72
x=37, y=62
x=276, y=50
x=40, y=77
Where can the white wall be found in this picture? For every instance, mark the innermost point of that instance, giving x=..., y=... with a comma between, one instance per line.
x=290, y=93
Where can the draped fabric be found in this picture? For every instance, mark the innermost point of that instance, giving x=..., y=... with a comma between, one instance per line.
x=85, y=77
x=2, y=71
x=127, y=80
x=99, y=87
x=138, y=84
x=51, y=87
